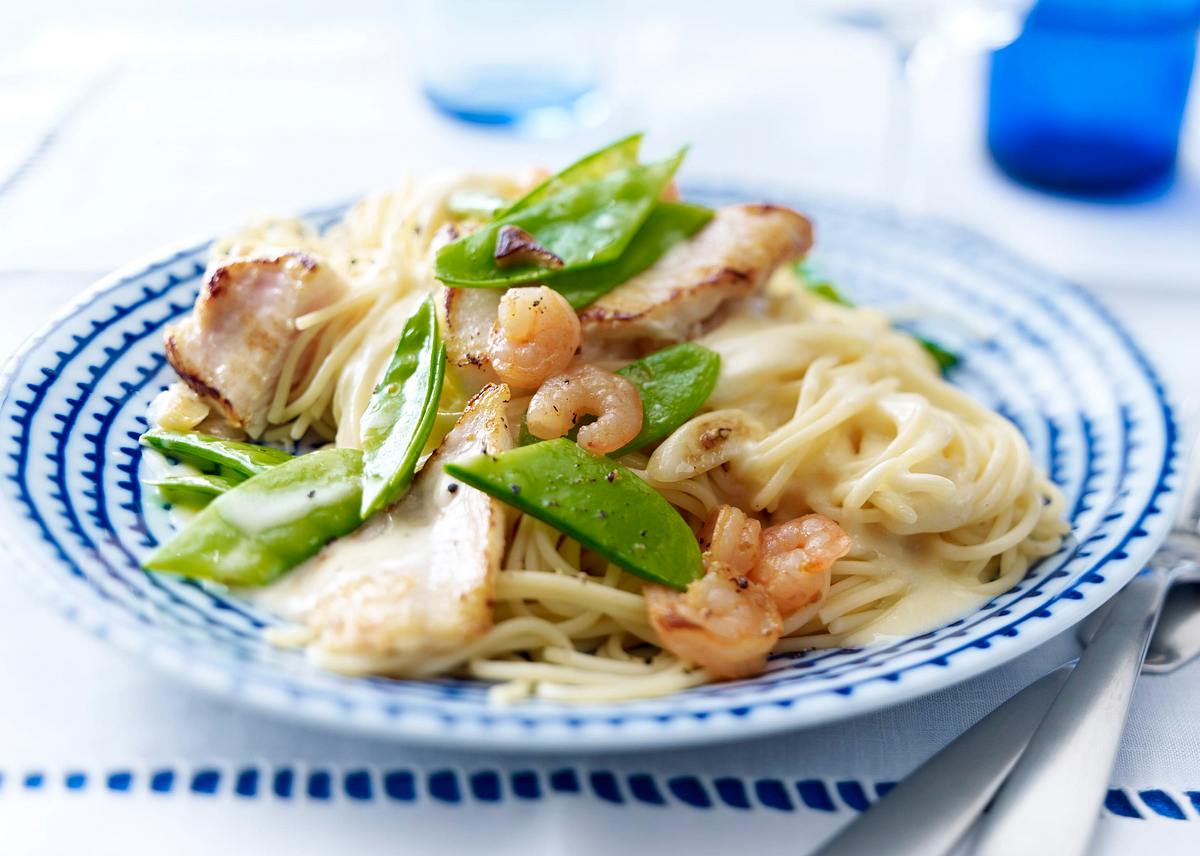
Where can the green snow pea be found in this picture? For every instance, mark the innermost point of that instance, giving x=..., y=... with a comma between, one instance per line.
x=668, y=224
x=673, y=383
x=584, y=224
x=402, y=410
x=194, y=488
x=268, y=524
x=829, y=291
x=207, y=451
x=946, y=360
x=623, y=153
x=482, y=204
x=594, y=500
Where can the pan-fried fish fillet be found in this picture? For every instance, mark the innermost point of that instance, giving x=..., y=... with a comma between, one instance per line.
x=731, y=257
x=467, y=316
x=231, y=349
x=415, y=580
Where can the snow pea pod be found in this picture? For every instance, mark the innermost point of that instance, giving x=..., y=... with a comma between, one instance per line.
x=194, y=488
x=584, y=224
x=945, y=360
x=673, y=383
x=623, y=153
x=402, y=410
x=205, y=450
x=668, y=224
x=264, y=527
x=594, y=500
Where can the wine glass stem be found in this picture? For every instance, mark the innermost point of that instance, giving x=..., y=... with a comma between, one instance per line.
x=900, y=185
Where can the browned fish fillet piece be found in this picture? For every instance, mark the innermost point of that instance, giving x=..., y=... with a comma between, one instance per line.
x=232, y=348
x=415, y=580
x=467, y=316
x=731, y=257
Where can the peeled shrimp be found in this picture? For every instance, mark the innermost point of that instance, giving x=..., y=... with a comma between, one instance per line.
x=731, y=536
x=795, y=558
x=586, y=390
x=729, y=620
x=723, y=622
x=536, y=335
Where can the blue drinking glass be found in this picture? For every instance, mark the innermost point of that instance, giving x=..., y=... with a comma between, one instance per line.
x=529, y=65
x=1089, y=99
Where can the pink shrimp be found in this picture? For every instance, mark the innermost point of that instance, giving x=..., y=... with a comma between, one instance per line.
x=722, y=622
x=795, y=557
x=731, y=536
x=536, y=335
x=586, y=390
x=729, y=620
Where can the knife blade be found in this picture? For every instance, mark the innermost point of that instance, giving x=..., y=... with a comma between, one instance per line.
x=931, y=810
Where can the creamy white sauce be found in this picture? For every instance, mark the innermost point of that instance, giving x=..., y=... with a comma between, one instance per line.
x=932, y=596
x=383, y=546
x=931, y=602
x=154, y=466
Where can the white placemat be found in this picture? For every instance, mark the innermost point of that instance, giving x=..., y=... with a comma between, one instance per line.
x=161, y=130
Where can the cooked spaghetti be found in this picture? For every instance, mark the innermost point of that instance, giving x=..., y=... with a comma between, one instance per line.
x=820, y=409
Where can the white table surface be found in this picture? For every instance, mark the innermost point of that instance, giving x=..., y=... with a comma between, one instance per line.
x=127, y=127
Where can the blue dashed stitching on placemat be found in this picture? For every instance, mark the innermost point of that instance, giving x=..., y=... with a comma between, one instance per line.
x=688, y=789
x=1118, y=802
x=358, y=786
x=485, y=786
x=445, y=787
x=320, y=785
x=525, y=785
x=206, y=782
x=162, y=781
x=1162, y=804
x=247, y=783
x=400, y=785
x=283, y=783
x=643, y=789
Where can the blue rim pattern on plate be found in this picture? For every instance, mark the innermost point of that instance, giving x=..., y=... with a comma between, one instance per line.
x=1042, y=351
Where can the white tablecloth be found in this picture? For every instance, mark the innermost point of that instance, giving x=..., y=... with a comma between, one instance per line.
x=128, y=127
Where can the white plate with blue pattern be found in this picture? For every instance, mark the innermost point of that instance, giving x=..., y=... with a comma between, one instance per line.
x=1041, y=351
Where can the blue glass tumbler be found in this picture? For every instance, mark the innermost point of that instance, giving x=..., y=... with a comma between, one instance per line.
x=1090, y=97
x=529, y=65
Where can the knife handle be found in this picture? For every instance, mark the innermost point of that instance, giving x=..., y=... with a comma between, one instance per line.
x=933, y=807
x=1051, y=801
